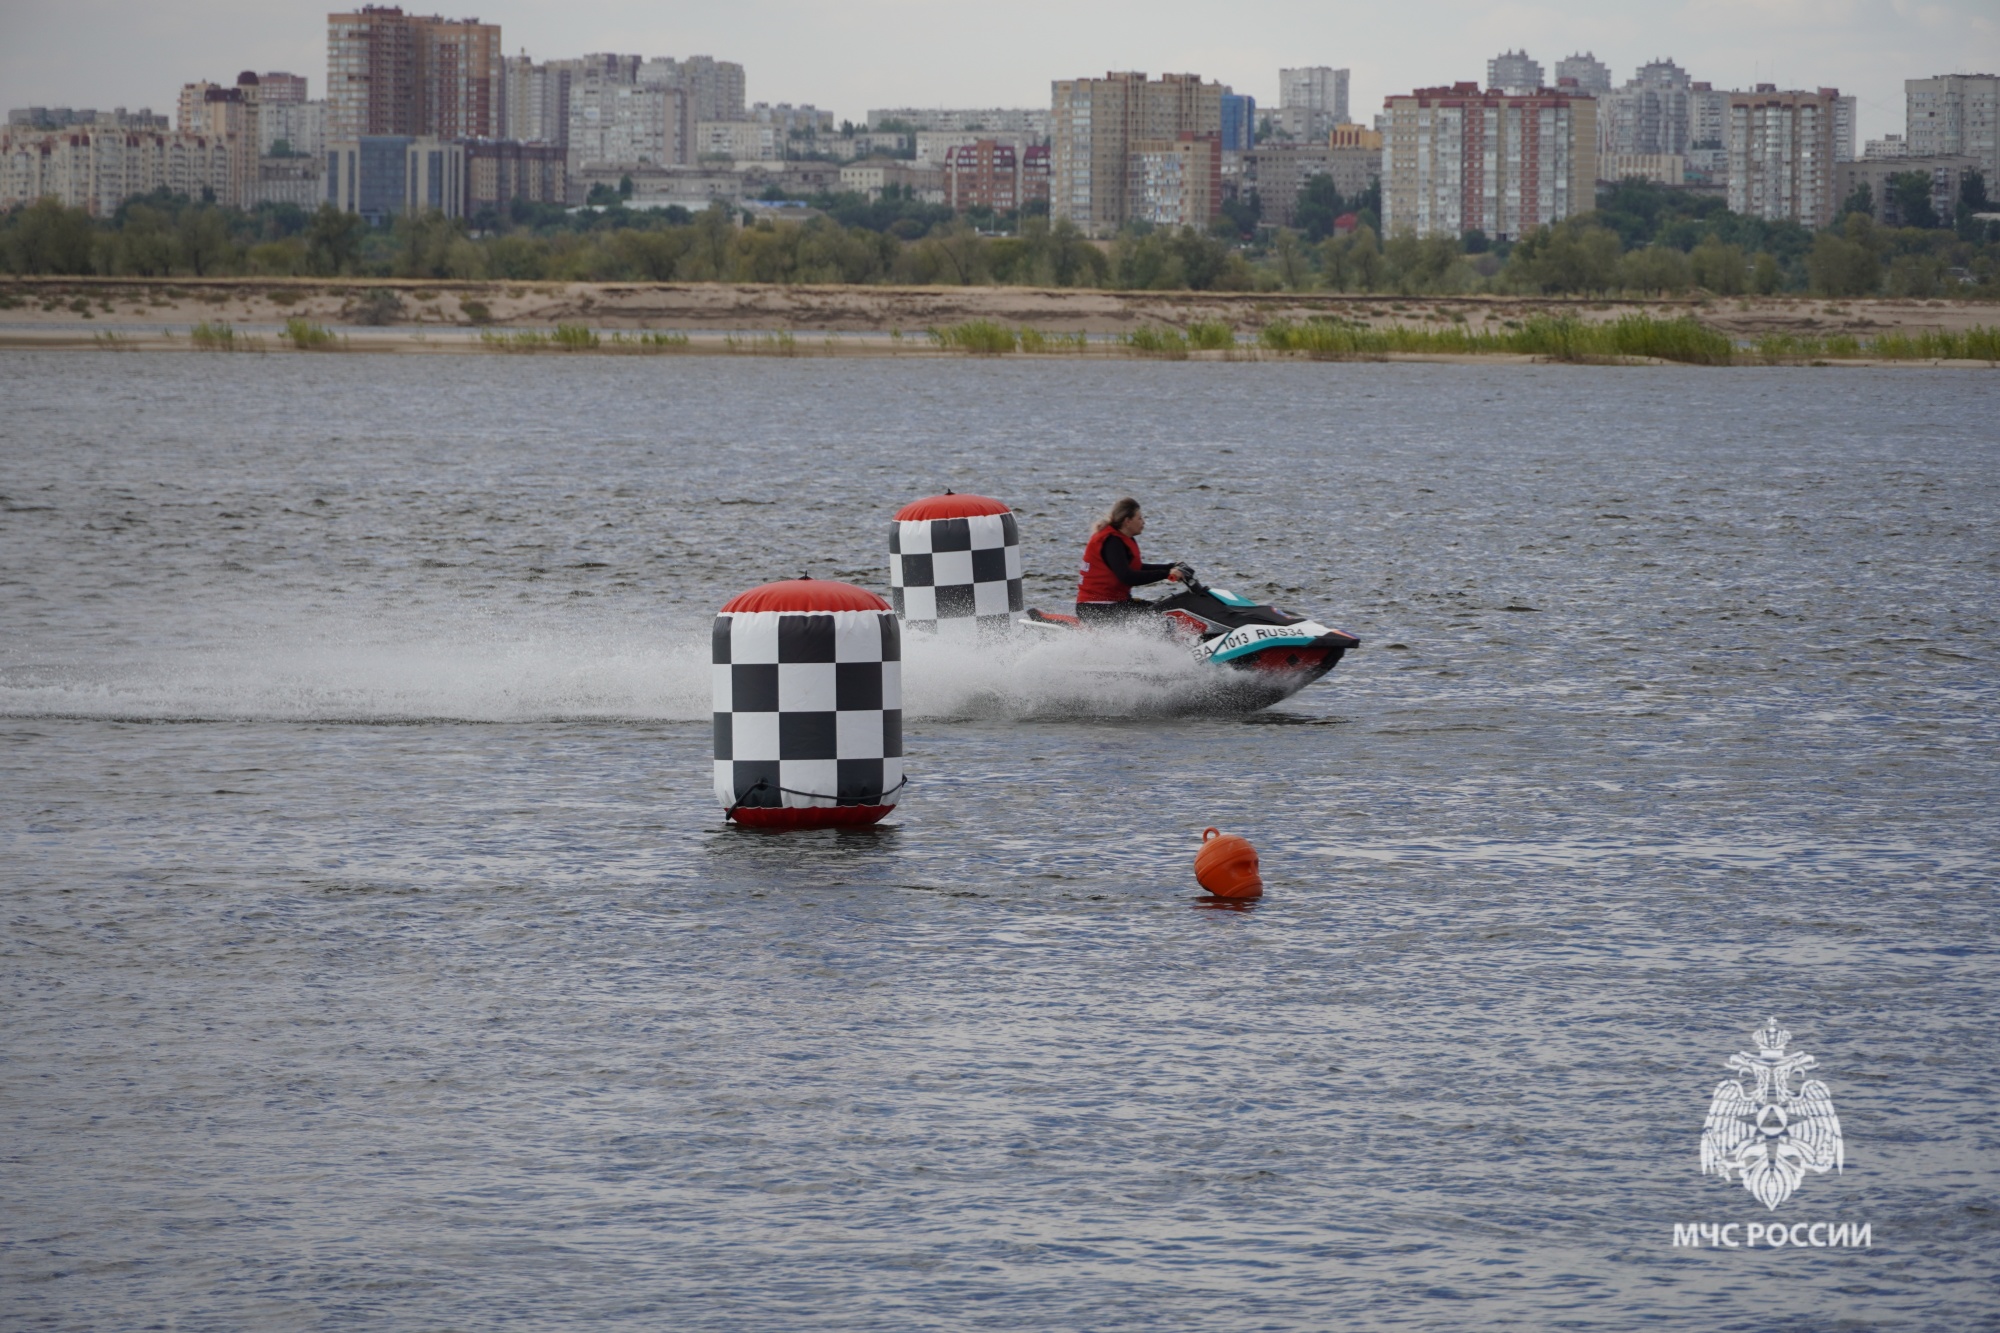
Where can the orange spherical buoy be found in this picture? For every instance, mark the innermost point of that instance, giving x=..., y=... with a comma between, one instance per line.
x=1227, y=866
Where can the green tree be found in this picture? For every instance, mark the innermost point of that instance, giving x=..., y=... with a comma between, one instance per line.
x=333, y=241
x=1657, y=268
x=1294, y=269
x=145, y=245
x=1574, y=256
x=1719, y=268
x=1767, y=276
x=1912, y=192
x=48, y=238
x=1319, y=205
x=1847, y=262
x=203, y=241
x=1862, y=200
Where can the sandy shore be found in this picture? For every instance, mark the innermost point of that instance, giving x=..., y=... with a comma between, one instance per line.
x=145, y=314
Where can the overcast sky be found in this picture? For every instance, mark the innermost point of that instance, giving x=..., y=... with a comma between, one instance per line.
x=849, y=55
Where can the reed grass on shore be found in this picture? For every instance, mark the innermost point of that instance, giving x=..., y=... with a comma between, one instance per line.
x=221, y=336
x=307, y=336
x=1560, y=338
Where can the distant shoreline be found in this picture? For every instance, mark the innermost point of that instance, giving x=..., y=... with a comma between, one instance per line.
x=431, y=317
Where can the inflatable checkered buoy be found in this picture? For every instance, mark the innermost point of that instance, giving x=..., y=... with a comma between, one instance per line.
x=808, y=706
x=955, y=565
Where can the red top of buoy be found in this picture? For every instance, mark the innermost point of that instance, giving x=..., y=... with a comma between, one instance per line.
x=806, y=595
x=949, y=506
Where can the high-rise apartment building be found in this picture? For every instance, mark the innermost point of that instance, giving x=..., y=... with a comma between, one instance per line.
x=1956, y=114
x=280, y=89
x=1651, y=115
x=1843, y=124
x=714, y=87
x=1589, y=74
x=1311, y=100
x=231, y=115
x=391, y=73
x=1514, y=72
x=614, y=123
x=534, y=100
x=1460, y=159
x=1708, y=116
x=1098, y=126
x=190, y=116
x=1781, y=165
x=1034, y=121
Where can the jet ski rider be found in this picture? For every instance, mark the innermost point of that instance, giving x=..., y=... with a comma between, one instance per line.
x=1112, y=568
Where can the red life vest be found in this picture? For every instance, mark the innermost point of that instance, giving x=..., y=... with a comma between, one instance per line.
x=1097, y=583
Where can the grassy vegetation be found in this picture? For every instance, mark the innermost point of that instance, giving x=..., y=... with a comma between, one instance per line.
x=1561, y=338
x=1211, y=335
x=647, y=341
x=564, y=338
x=771, y=344
x=1034, y=340
x=221, y=336
x=1157, y=340
x=982, y=337
x=308, y=336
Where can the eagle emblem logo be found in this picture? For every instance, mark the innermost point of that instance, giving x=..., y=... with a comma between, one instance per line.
x=1769, y=1136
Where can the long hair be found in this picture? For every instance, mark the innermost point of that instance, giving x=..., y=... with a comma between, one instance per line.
x=1120, y=512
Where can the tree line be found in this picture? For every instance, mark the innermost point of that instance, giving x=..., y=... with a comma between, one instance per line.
x=1642, y=239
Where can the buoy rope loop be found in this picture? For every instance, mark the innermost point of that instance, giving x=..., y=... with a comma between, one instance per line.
x=1208, y=833
x=762, y=784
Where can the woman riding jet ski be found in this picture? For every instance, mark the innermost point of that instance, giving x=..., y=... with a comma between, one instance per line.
x=1282, y=653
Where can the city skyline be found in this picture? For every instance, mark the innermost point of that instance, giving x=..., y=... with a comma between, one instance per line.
x=879, y=53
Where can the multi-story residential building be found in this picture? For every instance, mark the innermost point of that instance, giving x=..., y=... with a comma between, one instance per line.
x=1277, y=172
x=739, y=141
x=1956, y=114
x=62, y=118
x=1098, y=125
x=1843, y=124
x=1888, y=146
x=617, y=124
x=298, y=181
x=934, y=146
x=1947, y=174
x=1239, y=123
x=1312, y=99
x=300, y=127
x=985, y=173
x=1177, y=182
x=1781, y=165
x=190, y=116
x=97, y=168
x=382, y=175
x=231, y=114
x=714, y=87
x=499, y=171
x=1651, y=115
x=1708, y=116
x=1513, y=72
x=1355, y=136
x=1037, y=122
x=281, y=89
x=391, y=73
x=534, y=100
x=1586, y=73
x=874, y=175
x=1660, y=168
x=1461, y=158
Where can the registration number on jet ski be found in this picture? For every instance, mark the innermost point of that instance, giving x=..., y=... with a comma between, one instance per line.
x=1245, y=637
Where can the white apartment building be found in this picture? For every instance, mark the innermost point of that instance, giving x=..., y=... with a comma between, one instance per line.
x=739, y=141
x=935, y=146
x=1651, y=115
x=1956, y=114
x=1312, y=99
x=616, y=123
x=301, y=126
x=99, y=169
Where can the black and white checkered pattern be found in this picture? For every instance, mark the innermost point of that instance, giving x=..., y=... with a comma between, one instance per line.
x=811, y=705
x=956, y=576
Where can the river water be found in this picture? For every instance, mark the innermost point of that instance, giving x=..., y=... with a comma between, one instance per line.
x=375, y=954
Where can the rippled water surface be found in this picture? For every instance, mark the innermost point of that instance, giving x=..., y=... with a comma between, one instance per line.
x=375, y=954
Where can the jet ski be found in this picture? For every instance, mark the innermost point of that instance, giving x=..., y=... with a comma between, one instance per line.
x=1268, y=653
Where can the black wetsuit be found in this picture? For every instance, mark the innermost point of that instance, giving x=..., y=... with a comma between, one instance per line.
x=1118, y=559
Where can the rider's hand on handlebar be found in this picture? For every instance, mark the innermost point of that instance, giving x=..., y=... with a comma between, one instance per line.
x=1181, y=572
